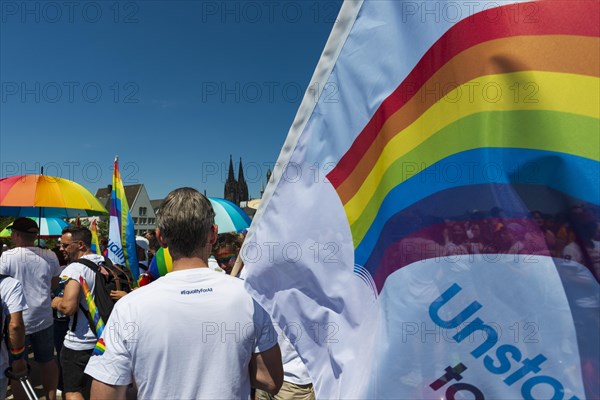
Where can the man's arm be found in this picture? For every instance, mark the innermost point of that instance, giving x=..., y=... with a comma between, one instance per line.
x=69, y=303
x=102, y=391
x=16, y=340
x=266, y=370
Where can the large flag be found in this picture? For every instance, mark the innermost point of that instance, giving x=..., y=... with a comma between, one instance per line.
x=431, y=227
x=121, y=231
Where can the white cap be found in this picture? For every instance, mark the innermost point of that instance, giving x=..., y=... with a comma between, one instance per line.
x=142, y=242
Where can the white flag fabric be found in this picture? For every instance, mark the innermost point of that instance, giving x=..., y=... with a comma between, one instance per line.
x=431, y=226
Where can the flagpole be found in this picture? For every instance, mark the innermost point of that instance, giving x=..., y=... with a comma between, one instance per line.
x=237, y=267
x=40, y=213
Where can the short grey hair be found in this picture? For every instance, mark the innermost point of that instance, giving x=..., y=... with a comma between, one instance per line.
x=185, y=220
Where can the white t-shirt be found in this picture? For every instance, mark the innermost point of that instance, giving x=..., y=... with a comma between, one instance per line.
x=214, y=265
x=188, y=335
x=294, y=370
x=34, y=268
x=82, y=338
x=13, y=300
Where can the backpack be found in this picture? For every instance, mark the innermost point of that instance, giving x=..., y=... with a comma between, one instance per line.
x=108, y=276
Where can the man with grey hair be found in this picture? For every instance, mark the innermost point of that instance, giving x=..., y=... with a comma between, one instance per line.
x=193, y=333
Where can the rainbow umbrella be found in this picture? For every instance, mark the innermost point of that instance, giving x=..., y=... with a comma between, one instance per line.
x=49, y=227
x=46, y=196
x=228, y=216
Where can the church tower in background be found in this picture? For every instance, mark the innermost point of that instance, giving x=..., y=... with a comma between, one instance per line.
x=231, y=186
x=236, y=191
x=242, y=186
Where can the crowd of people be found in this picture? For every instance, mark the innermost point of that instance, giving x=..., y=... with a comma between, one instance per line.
x=573, y=235
x=194, y=333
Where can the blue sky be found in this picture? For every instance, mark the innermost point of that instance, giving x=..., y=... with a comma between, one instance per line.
x=172, y=87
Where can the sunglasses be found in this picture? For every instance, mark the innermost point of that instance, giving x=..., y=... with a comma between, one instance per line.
x=65, y=245
x=225, y=260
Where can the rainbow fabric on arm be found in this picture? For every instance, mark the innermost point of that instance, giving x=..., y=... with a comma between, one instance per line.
x=93, y=310
x=17, y=353
x=99, y=348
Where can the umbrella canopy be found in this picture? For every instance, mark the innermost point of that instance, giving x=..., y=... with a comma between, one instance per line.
x=228, y=216
x=49, y=227
x=46, y=196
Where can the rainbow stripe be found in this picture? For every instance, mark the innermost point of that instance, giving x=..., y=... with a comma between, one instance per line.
x=514, y=94
x=100, y=348
x=95, y=242
x=93, y=310
x=120, y=209
x=161, y=263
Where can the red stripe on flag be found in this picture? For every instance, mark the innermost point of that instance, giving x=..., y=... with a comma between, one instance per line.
x=544, y=18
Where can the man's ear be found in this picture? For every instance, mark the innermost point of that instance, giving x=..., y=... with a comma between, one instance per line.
x=214, y=233
x=160, y=238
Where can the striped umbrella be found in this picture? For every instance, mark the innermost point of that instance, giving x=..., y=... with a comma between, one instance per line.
x=49, y=227
x=46, y=196
x=228, y=216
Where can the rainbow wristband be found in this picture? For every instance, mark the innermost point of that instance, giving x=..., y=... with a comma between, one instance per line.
x=18, y=353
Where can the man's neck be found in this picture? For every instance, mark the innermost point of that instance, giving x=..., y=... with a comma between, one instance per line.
x=189, y=263
x=87, y=253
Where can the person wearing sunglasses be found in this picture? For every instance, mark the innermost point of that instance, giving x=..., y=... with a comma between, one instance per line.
x=226, y=250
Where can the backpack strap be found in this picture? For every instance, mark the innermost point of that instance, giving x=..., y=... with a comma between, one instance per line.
x=124, y=272
x=94, y=267
x=109, y=266
x=88, y=263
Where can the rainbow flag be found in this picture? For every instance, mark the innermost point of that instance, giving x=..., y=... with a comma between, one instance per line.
x=161, y=264
x=95, y=243
x=447, y=211
x=121, y=237
x=93, y=310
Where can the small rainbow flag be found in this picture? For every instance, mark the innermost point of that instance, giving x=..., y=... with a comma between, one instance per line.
x=95, y=243
x=93, y=310
x=161, y=264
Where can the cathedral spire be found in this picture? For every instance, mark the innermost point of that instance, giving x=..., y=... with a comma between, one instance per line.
x=231, y=191
x=242, y=186
x=230, y=176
